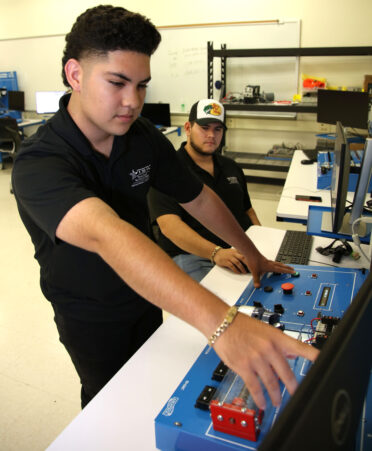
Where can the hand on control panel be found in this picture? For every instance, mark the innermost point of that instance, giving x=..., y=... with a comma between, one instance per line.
x=261, y=351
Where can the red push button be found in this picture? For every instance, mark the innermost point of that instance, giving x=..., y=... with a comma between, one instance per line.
x=287, y=287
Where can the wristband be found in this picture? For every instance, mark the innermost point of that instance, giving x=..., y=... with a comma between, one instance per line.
x=229, y=318
x=215, y=250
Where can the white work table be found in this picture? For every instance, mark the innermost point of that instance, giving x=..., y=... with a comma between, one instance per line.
x=301, y=179
x=30, y=123
x=169, y=130
x=121, y=416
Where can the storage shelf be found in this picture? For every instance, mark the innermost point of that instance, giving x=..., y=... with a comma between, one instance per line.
x=225, y=53
x=279, y=108
x=258, y=161
x=296, y=51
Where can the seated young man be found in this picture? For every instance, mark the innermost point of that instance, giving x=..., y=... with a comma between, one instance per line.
x=192, y=246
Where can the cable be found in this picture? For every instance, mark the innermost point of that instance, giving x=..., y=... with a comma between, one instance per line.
x=355, y=234
x=344, y=249
x=311, y=323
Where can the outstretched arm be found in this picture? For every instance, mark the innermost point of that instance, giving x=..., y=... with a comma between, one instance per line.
x=209, y=209
x=249, y=347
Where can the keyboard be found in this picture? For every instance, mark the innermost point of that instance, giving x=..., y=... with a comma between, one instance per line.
x=295, y=248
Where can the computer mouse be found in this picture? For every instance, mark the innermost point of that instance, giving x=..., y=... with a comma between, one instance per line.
x=307, y=161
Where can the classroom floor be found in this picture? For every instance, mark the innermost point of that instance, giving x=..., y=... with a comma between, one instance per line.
x=39, y=390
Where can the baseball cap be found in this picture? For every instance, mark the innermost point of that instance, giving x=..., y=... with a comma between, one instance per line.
x=206, y=111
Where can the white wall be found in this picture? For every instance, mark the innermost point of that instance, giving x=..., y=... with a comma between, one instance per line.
x=323, y=23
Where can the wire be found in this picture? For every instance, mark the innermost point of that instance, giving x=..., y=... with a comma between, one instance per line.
x=344, y=249
x=355, y=235
x=311, y=323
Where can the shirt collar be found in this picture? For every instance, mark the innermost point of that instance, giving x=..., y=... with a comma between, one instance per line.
x=188, y=160
x=65, y=126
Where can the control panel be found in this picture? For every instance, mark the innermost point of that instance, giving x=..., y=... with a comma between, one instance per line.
x=301, y=297
x=212, y=408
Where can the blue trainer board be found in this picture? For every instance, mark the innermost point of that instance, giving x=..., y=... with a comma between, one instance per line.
x=316, y=289
x=181, y=426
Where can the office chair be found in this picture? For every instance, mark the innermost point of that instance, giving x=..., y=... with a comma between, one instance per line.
x=10, y=139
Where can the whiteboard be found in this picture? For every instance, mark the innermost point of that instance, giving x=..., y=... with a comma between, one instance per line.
x=179, y=66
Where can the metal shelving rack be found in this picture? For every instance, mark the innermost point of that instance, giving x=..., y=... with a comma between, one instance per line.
x=225, y=53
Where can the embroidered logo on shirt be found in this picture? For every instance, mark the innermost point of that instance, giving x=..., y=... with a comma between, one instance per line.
x=232, y=180
x=140, y=176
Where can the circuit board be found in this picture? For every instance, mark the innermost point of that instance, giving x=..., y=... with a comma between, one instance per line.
x=299, y=299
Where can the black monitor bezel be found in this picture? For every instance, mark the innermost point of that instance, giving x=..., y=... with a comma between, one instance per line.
x=16, y=100
x=340, y=373
x=157, y=113
x=351, y=108
x=340, y=178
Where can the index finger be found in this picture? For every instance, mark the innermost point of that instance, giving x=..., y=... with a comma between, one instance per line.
x=282, y=267
x=256, y=275
x=297, y=348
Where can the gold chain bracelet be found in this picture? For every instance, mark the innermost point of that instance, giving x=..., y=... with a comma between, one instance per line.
x=215, y=250
x=229, y=318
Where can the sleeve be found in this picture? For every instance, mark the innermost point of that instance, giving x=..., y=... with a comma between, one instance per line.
x=161, y=204
x=243, y=183
x=46, y=188
x=171, y=176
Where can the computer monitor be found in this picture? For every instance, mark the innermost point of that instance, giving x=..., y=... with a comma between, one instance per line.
x=335, y=220
x=157, y=113
x=16, y=100
x=348, y=107
x=48, y=101
x=361, y=190
x=325, y=411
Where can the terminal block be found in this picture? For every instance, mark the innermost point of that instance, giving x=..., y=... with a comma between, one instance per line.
x=324, y=329
x=233, y=410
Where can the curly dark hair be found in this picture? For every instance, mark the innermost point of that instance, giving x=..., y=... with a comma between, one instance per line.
x=106, y=28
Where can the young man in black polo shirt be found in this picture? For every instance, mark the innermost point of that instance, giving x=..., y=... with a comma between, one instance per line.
x=192, y=246
x=81, y=187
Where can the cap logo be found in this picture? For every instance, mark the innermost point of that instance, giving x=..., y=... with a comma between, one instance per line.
x=213, y=108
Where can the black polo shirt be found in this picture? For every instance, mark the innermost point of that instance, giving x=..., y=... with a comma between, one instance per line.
x=57, y=168
x=228, y=182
